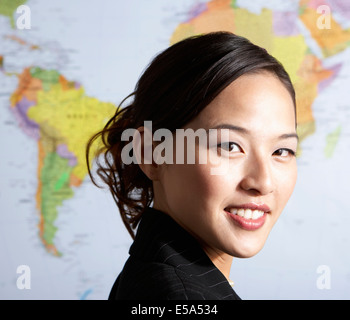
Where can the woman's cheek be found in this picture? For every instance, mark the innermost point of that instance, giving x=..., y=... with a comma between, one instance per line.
x=214, y=187
x=285, y=183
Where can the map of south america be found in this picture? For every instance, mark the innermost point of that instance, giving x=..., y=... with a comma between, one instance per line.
x=60, y=117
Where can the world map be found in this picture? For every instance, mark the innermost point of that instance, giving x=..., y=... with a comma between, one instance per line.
x=62, y=79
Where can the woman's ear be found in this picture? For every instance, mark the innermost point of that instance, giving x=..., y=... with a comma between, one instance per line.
x=143, y=147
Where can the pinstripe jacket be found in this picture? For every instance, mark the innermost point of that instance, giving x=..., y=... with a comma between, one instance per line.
x=166, y=262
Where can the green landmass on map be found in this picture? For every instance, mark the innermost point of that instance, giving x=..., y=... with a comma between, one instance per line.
x=8, y=9
x=331, y=142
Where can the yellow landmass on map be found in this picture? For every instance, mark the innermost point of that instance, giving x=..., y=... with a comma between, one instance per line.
x=71, y=116
x=290, y=51
x=255, y=27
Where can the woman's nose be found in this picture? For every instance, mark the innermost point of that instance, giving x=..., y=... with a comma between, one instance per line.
x=258, y=176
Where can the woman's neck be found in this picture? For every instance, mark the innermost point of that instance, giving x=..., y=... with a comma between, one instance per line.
x=221, y=260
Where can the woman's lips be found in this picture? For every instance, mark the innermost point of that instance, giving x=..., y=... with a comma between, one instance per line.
x=248, y=216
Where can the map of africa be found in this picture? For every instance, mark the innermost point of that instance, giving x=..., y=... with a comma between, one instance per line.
x=62, y=79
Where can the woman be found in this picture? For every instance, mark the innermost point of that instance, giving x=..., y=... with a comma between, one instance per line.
x=200, y=218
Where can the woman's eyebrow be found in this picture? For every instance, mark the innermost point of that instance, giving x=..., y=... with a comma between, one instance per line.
x=230, y=127
x=245, y=131
x=289, y=135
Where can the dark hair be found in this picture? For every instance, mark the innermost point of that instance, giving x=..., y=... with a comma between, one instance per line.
x=177, y=85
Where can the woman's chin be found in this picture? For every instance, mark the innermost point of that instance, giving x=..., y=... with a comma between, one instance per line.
x=246, y=250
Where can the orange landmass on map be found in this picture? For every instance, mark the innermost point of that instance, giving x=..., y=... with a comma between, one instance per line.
x=217, y=17
x=311, y=73
x=22, y=42
x=332, y=40
x=27, y=87
x=65, y=84
x=74, y=180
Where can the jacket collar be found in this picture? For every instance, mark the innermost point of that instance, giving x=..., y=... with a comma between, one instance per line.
x=160, y=239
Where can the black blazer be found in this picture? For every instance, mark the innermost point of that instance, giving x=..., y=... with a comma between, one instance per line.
x=166, y=262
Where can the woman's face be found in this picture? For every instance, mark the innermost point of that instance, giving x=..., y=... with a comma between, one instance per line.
x=234, y=212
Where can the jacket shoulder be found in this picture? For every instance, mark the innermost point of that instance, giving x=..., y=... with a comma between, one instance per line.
x=156, y=281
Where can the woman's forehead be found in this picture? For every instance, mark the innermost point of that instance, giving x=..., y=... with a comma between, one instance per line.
x=251, y=100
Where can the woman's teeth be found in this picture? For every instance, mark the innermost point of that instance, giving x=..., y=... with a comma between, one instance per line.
x=247, y=213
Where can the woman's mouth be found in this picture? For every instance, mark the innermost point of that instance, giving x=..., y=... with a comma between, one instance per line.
x=247, y=213
x=249, y=216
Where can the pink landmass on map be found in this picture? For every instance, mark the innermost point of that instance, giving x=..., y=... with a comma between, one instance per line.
x=63, y=152
x=326, y=82
x=196, y=10
x=284, y=23
x=341, y=6
x=30, y=127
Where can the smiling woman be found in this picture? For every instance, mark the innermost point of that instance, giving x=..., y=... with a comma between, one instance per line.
x=260, y=149
x=191, y=219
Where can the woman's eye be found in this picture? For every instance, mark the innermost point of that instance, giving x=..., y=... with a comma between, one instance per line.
x=230, y=147
x=284, y=152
